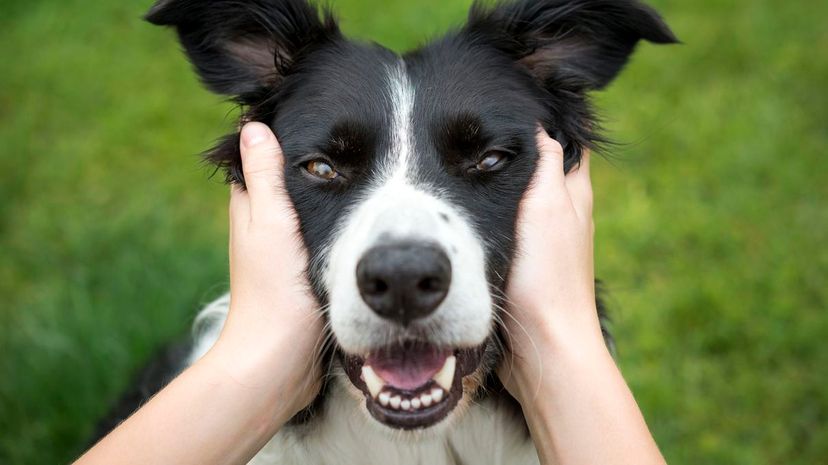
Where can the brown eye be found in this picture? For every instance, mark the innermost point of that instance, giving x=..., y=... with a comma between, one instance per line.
x=491, y=161
x=321, y=169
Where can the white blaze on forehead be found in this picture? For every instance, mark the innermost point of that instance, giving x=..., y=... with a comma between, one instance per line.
x=401, y=94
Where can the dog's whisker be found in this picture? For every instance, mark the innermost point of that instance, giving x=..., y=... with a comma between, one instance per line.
x=535, y=348
x=324, y=341
x=505, y=346
x=502, y=309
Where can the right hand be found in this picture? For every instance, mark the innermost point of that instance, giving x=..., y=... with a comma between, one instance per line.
x=274, y=327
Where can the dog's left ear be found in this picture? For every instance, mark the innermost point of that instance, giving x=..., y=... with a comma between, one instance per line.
x=579, y=44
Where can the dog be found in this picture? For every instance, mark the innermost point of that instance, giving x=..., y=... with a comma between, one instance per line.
x=406, y=172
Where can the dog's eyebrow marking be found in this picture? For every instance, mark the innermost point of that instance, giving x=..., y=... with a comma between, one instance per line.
x=402, y=108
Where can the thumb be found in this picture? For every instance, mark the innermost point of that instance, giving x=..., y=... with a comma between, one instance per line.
x=548, y=182
x=263, y=167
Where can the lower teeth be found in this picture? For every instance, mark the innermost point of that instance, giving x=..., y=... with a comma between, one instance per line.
x=442, y=379
x=415, y=403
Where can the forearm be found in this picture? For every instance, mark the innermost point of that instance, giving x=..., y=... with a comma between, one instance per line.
x=210, y=414
x=582, y=411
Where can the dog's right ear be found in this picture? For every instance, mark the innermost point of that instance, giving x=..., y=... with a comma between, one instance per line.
x=243, y=48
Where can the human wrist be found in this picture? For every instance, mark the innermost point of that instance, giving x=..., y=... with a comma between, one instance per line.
x=543, y=390
x=266, y=364
x=558, y=339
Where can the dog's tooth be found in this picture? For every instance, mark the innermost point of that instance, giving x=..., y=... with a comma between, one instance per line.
x=371, y=379
x=415, y=403
x=384, y=398
x=445, y=376
x=437, y=394
x=426, y=399
x=405, y=405
x=395, y=402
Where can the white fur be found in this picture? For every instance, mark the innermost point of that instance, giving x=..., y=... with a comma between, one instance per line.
x=345, y=434
x=401, y=93
x=207, y=327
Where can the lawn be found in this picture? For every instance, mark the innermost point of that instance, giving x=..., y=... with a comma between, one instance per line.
x=712, y=217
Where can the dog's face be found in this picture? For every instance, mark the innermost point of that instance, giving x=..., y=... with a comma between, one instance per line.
x=407, y=171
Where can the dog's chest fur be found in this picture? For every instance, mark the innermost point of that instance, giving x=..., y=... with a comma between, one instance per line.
x=489, y=431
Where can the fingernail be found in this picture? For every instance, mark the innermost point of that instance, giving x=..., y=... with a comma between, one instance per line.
x=254, y=134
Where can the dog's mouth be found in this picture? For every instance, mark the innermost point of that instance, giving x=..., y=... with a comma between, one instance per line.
x=414, y=384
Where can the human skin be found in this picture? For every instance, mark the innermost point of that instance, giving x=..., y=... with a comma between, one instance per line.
x=577, y=405
x=262, y=369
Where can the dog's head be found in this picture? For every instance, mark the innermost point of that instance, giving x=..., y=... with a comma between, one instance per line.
x=406, y=171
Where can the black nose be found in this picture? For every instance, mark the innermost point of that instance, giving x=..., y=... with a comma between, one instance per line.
x=404, y=281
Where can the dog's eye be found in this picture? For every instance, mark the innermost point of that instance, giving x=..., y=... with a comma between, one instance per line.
x=491, y=161
x=321, y=169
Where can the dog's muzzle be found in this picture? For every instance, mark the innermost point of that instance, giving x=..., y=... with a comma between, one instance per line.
x=409, y=303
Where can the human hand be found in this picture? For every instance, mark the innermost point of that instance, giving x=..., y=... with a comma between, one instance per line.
x=551, y=289
x=559, y=369
x=274, y=327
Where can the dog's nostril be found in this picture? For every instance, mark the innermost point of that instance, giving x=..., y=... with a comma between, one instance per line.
x=378, y=286
x=404, y=281
x=429, y=284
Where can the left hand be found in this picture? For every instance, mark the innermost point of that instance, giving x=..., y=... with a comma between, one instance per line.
x=551, y=289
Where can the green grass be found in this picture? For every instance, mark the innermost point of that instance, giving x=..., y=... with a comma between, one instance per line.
x=712, y=218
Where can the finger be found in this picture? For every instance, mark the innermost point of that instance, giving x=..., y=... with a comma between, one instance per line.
x=239, y=207
x=263, y=165
x=548, y=180
x=551, y=157
x=579, y=185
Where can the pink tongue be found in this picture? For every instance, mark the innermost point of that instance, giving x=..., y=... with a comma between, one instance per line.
x=407, y=367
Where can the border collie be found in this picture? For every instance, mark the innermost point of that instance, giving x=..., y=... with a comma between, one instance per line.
x=406, y=172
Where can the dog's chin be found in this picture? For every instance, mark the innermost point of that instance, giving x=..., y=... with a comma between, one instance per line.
x=412, y=385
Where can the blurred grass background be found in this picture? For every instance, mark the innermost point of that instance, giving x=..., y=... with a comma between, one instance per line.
x=711, y=218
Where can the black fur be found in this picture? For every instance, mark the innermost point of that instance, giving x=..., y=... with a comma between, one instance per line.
x=244, y=48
